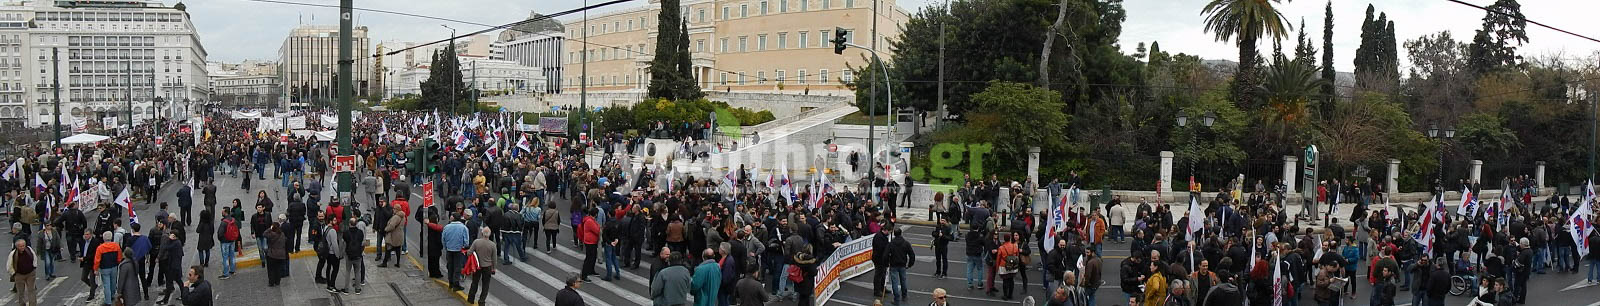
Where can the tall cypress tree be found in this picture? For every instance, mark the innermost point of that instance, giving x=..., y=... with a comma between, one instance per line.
x=1328, y=74
x=686, y=88
x=1391, y=55
x=664, y=74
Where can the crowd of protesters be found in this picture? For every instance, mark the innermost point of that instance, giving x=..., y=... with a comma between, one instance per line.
x=712, y=239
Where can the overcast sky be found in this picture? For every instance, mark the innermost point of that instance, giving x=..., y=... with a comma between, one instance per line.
x=234, y=30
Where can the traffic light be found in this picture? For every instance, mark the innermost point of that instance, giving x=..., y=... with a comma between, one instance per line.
x=838, y=40
x=413, y=158
x=430, y=156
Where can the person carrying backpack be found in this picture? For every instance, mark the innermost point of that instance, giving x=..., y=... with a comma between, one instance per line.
x=228, y=236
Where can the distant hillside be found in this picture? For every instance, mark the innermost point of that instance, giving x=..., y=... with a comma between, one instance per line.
x=1343, y=79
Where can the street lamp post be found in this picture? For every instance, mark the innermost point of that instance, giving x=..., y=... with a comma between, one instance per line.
x=892, y=120
x=1206, y=120
x=1434, y=133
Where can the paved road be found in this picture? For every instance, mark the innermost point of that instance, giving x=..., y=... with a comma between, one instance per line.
x=248, y=285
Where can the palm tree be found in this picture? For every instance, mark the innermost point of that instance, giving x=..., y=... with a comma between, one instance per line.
x=1249, y=20
x=1289, y=86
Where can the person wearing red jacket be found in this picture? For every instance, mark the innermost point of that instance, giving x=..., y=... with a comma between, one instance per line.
x=335, y=212
x=589, y=234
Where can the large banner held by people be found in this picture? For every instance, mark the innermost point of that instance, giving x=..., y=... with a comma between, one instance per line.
x=850, y=260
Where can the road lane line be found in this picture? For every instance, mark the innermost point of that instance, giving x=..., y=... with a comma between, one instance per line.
x=599, y=258
x=523, y=291
x=542, y=277
x=634, y=297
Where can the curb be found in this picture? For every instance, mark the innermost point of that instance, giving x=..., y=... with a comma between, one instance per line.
x=256, y=262
x=460, y=296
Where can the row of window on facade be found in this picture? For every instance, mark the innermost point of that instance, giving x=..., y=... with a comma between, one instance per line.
x=802, y=40
x=763, y=8
x=111, y=41
x=125, y=27
x=108, y=16
x=101, y=95
x=108, y=54
x=733, y=78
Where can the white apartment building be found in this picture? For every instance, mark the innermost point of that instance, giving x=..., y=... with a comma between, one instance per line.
x=541, y=49
x=497, y=75
x=254, y=90
x=108, y=51
x=407, y=81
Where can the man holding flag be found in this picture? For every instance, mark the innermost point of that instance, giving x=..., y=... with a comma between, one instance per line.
x=1581, y=224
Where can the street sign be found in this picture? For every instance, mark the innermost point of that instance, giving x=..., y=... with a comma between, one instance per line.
x=833, y=147
x=159, y=140
x=344, y=163
x=427, y=194
x=284, y=138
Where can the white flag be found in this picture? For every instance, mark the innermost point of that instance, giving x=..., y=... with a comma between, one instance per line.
x=1196, y=219
x=11, y=171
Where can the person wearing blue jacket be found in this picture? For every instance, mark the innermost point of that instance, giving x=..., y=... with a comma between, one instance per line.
x=454, y=239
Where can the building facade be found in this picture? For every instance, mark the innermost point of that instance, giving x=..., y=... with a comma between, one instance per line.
x=542, y=50
x=770, y=46
x=104, y=52
x=501, y=76
x=247, y=90
x=309, y=62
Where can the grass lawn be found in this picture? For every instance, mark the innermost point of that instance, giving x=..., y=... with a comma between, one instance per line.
x=860, y=118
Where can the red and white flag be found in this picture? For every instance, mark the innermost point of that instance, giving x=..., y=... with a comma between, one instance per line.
x=1580, y=222
x=125, y=200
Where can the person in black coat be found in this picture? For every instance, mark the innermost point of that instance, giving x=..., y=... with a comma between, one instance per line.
x=569, y=296
x=435, y=242
x=185, y=202
x=880, y=259
x=1438, y=284
x=206, y=229
x=297, y=217
x=196, y=290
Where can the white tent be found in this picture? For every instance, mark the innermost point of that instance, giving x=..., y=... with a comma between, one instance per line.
x=83, y=139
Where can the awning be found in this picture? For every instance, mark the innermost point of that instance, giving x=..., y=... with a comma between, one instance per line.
x=83, y=139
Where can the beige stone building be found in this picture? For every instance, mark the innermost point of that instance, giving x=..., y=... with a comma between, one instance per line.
x=768, y=46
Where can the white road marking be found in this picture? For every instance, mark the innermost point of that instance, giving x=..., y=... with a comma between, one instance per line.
x=523, y=291
x=631, y=296
x=599, y=256
x=910, y=292
x=1579, y=285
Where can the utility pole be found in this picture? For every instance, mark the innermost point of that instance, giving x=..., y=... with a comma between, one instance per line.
x=939, y=107
x=1594, y=106
x=872, y=112
x=346, y=89
x=583, y=84
x=129, y=95
x=455, y=75
x=55, y=86
x=475, y=89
